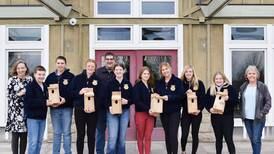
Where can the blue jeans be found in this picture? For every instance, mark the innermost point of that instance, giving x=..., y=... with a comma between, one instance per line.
x=36, y=129
x=100, y=131
x=117, y=128
x=254, y=130
x=61, y=123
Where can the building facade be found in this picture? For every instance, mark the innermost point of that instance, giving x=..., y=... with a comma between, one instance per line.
x=213, y=35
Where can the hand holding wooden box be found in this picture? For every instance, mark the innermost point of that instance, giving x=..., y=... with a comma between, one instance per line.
x=156, y=104
x=219, y=103
x=116, y=102
x=192, y=105
x=54, y=95
x=89, y=104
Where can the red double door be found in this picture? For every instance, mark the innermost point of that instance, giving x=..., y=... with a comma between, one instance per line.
x=133, y=61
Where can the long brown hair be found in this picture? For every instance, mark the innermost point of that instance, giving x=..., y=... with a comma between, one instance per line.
x=151, y=81
x=194, y=80
x=212, y=87
x=13, y=71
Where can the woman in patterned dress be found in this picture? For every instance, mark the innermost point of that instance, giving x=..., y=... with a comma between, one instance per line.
x=16, y=122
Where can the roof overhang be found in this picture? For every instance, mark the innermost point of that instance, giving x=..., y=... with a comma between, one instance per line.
x=213, y=7
x=246, y=11
x=11, y=12
x=58, y=7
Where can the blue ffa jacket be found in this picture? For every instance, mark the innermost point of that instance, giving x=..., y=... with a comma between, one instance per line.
x=126, y=89
x=81, y=81
x=141, y=97
x=35, y=101
x=200, y=93
x=64, y=81
x=230, y=103
x=174, y=90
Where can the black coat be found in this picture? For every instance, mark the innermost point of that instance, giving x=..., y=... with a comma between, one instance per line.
x=174, y=90
x=35, y=101
x=229, y=104
x=81, y=81
x=126, y=90
x=142, y=97
x=63, y=80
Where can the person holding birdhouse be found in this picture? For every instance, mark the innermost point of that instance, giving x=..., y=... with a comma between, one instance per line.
x=35, y=106
x=144, y=117
x=170, y=88
x=119, y=99
x=194, y=92
x=61, y=110
x=85, y=92
x=16, y=121
x=220, y=100
x=255, y=103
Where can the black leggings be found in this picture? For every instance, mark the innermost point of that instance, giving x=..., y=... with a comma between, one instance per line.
x=223, y=127
x=83, y=119
x=195, y=122
x=15, y=139
x=170, y=124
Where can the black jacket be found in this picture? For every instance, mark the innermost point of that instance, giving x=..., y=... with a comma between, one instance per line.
x=141, y=97
x=200, y=93
x=126, y=89
x=64, y=80
x=174, y=90
x=229, y=104
x=105, y=76
x=35, y=101
x=81, y=81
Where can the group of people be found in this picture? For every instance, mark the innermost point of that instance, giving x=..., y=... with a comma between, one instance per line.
x=28, y=103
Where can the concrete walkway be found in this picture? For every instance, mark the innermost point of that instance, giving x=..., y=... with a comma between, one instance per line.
x=159, y=148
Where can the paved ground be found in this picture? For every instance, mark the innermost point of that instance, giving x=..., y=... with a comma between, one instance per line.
x=159, y=148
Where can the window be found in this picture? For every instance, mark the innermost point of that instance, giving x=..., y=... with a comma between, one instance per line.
x=24, y=34
x=136, y=8
x=114, y=33
x=113, y=7
x=158, y=7
x=158, y=33
x=247, y=33
x=240, y=61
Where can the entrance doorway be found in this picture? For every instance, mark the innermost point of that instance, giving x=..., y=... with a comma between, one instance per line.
x=133, y=61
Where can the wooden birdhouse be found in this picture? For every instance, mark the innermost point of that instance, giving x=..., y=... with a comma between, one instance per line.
x=219, y=103
x=54, y=95
x=116, y=102
x=89, y=101
x=192, y=105
x=156, y=104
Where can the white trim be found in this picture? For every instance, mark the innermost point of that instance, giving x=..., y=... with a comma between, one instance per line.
x=267, y=46
x=137, y=44
x=3, y=104
x=24, y=42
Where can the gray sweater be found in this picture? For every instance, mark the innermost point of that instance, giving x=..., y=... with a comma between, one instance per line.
x=263, y=100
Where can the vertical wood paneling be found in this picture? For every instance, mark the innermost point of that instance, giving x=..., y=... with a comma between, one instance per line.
x=19, y=2
x=236, y=2
x=85, y=43
x=34, y=2
x=5, y=2
x=54, y=45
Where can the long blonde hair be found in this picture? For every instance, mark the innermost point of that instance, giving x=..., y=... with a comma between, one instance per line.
x=194, y=80
x=213, y=85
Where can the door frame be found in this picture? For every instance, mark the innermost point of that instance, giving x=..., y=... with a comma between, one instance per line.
x=18, y=46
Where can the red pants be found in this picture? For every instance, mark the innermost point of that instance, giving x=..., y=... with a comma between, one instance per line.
x=144, y=126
